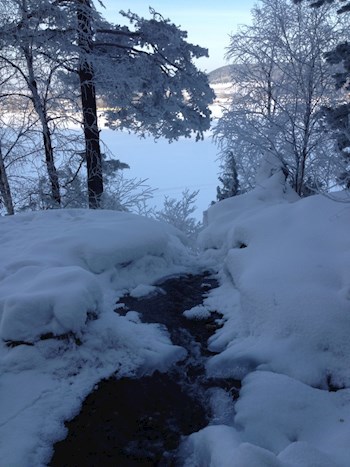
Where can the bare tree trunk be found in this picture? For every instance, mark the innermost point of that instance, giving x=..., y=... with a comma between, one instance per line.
x=41, y=111
x=300, y=174
x=306, y=137
x=5, y=190
x=88, y=100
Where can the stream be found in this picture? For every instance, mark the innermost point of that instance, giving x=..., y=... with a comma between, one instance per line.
x=140, y=422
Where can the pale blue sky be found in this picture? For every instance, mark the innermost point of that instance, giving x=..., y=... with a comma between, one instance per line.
x=208, y=22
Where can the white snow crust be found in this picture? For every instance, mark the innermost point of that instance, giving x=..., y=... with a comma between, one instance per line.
x=143, y=290
x=285, y=297
x=61, y=274
x=197, y=312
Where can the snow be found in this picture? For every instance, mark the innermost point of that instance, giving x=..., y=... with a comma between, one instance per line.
x=283, y=266
x=61, y=274
x=197, y=312
x=221, y=446
x=293, y=281
x=279, y=422
x=284, y=272
x=285, y=411
x=143, y=290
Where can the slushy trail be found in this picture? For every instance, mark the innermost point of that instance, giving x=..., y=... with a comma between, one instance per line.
x=141, y=422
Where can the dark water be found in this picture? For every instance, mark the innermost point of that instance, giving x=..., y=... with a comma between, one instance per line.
x=140, y=422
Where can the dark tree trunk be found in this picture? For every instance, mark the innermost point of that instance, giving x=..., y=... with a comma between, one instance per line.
x=88, y=99
x=50, y=164
x=5, y=190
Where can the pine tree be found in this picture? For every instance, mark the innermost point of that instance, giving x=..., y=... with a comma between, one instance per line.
x=228, y=178
x=145, y=73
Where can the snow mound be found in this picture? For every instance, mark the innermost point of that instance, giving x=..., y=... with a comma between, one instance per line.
x=279, y=422
x=285, y=295
x=55, y=300
x=287, y=414
x=289, y=263
x=55, y=265
x=61, y=273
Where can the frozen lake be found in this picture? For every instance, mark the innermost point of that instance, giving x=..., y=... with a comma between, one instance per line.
x=169, y=167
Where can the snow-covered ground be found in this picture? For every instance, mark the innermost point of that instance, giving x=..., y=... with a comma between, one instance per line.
x=61, y=273
x=283, y=265
x=285, y=295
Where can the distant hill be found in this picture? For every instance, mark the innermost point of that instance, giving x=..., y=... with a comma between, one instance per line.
x=225, y=73
x=222, y=74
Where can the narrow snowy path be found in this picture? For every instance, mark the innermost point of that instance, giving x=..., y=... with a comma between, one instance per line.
x=141, y=421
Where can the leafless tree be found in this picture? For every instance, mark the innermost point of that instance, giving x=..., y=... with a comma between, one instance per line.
x=282, y=81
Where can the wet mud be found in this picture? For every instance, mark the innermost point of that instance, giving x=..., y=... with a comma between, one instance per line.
x=141, y=422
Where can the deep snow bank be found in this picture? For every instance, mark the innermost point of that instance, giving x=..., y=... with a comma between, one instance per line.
x=285, y=295
x=56, y=264
x=61, y=273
